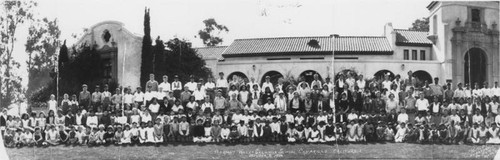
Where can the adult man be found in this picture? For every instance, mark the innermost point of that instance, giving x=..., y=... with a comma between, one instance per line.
x=177, y=87
x=165, y=86
x=422, y=105
x=152, y=82
x=222, y=84
x=448, y=92
x=84, y=97
x=268, y=84
x=191, y=84
x=437, y=90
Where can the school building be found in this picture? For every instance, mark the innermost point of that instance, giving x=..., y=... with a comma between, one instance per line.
x=461, y=46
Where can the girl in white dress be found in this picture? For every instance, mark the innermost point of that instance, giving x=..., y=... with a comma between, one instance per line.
x=52, y=104
x=150, y=136
x=127, y=134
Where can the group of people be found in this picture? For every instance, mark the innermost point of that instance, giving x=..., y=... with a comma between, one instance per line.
x=348, y=109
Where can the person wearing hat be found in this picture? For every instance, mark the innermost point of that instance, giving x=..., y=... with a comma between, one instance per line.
x=106, y=97
x=191, y=84
x=84, y=97
x=222, y=84
x=152, y=82
x=268, y=84
x=177, y=87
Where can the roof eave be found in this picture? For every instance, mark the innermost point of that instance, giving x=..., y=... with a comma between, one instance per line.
x=414, y=44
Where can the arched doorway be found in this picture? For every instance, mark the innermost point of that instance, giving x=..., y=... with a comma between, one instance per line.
x=239, y=75
x=346, y=72
x=309, y=76
x=274, y=75
x=381, y=74
x=475, y=66
x=423, y=76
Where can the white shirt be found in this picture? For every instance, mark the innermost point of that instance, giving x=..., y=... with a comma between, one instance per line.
x=148, y=96
x=267, y=84
x=92, y=121
x=176, y=85
x=477, y=119
x=209, y=85
x=496, y=91
x=477, y=93
x=387, y=85
x=154, y=108
x=222, y=83
x=361, y=84
x=403, y=117
x=165, y=88
x=207, y=105
x=139, y=97
x=53, y=105
x=494, y=107
x=128, y=98
x=191, y=86
x=199, y=94
x=268, y=106
x=422, y=105
x=497, y=119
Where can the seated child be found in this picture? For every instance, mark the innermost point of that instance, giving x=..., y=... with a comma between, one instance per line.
x=198, y=131
x=109, y=136
x=100, y=135
x=215, y=131
x=443, y=134
x=290, y=133
x=493, y=132
x=38, y=137
x=389, y=133
x=150, y=133
x=127, y=135
x=339, y=132
x=208, y=131
x=474, y=136
x=224, y=133
x=63, y=135
x=234, y=135
x=352, y=131
x=314, y=137
x=118, y=134
x=72, y=136
x=158, y=131
x=329, y=132
x=52, y=136
x=93, y=137
x=401, y=133
x=267, y=134
x=483, y=134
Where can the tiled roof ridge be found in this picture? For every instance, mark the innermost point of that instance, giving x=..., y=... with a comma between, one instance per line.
x=348, y=36
x=409, y=30
x=209, y=47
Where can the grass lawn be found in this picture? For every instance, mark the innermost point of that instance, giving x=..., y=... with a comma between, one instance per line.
x=260, y=151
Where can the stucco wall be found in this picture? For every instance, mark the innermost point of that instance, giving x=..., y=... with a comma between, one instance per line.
x=295, y=66
x=128, y=45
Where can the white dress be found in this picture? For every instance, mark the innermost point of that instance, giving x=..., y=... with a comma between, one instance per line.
x=150, y=135
x=126, y=136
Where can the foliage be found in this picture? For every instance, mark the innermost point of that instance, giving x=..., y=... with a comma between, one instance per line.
x=182, y=60
x=41, y=45
x=147, y=55
x=12, y=15
x=420, y=25
x=85, y=68
x=208, y=35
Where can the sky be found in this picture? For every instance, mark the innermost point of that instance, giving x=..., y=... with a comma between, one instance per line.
x=244, y=18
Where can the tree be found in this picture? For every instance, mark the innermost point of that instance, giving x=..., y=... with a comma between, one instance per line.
x=420, y=25
x=147, y=56
x=159, y=58
x=13, y=15
x=41, y=45
x=182, y=60
x=210, y=34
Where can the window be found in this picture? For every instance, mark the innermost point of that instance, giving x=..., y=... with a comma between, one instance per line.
x=414, y=55
x=406, y=54
x=422, y=55
x=476, y=15
x=434, y=24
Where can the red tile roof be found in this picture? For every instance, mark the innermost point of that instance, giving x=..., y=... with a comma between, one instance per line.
x=412, y=38
x=308, y=45
x=211, y=52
